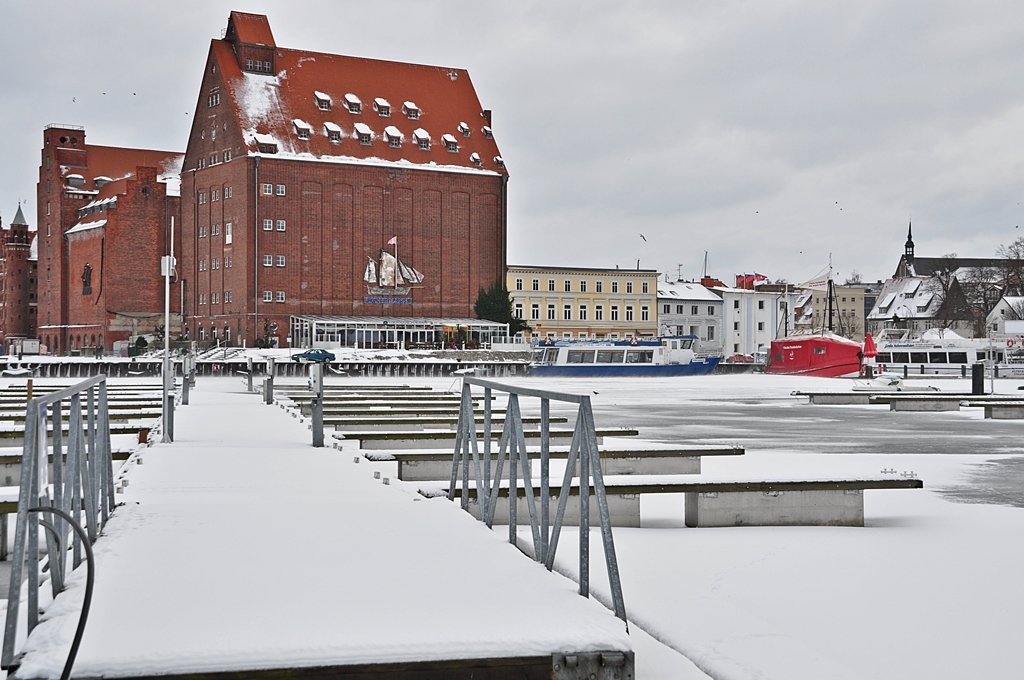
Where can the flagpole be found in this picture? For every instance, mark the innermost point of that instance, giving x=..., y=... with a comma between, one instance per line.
x=396, y=263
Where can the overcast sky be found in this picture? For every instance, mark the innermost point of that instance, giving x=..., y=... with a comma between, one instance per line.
x=769, y=134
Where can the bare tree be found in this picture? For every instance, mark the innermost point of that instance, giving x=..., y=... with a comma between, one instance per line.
x=1011, y=270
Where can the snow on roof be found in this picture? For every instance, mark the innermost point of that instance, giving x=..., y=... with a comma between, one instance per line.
x=475, y=158
x=392, y=131
x=410, y=106
x=86, y=226
x=908, y=297
x=352, y=99
x=380, y=103
x=322, y=96
x=449, y=139
x=363, y=129
x=33, y=250
x=299, y=123
x=258, y=97
x=269, y=140
x=420, y=134
x=74, y=175
x=333, y=127
x=684, y=290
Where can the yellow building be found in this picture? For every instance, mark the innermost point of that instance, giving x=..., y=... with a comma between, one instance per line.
x=581, y=303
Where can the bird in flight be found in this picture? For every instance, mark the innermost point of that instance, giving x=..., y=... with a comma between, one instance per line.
x=643, y=237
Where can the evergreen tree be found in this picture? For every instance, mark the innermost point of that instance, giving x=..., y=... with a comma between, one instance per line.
x=495, y=304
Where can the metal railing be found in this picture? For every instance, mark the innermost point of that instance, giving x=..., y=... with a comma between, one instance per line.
x=583, y=452
x=82, y=487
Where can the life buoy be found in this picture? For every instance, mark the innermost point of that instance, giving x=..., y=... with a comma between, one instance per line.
x=1010, y=342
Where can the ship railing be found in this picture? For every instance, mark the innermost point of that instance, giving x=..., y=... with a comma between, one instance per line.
x=473, y=455
x=82, y=488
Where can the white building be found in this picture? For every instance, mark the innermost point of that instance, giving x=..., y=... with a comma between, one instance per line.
x=749, y=318
x=686, y=308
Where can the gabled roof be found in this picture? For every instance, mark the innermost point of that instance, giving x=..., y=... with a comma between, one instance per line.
x=253, y=29
x=911, y=297
x=267, y=104
x=930, y=266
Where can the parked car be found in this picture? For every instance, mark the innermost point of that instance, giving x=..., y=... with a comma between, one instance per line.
x=313, y=355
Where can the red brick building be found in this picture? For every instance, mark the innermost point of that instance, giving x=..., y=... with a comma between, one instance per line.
x=104, y=217
x=17, y=282
x=318, y=185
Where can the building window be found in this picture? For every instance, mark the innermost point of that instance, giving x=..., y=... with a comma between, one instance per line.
x=411, y=110
x=268, y=260
x=202, y=265
x=666, y=309
x=519, y=284
x=711, y=310
x=382, y=107
x=213, y=100
x=268, y=189
x=645, y=313
x=227, y=233
x=629, y=312
x=215, y=264
x=599, y=286
x=323, y=101
x=711, y=332
x=227, y=296
x=282, y=225
x=202, y=232
x=519, y=310
x=615, y=286
x=353, y=103
x=487, y=132
x=214, y=195
x=280, y=190
x=735, y=325
x=735, y=304
x=536, y=284
x=583, y=312
x=679, y=309
x=568, y=286
x=215, y=230
x=629, y=287
x=268, y=225
x=615, y=313
x=567, y=312
x=598, y=312
x=551, y=312
x=760, y=304
x=583, y=285
x=535, y=311
x=268, y=296
x=202, y=198
x=334, y=135
x=760, y=325
x=645, y=286
x=228, y=192
x=551, y=285
x=280, y=260
x=279, y=297
x=214, y=299
x=450, y=143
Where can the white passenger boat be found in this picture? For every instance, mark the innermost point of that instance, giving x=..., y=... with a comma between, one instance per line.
x=668, y=356
x=944, y=352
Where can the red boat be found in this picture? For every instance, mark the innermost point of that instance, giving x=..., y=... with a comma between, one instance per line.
x=822, y=354
x=826, y=354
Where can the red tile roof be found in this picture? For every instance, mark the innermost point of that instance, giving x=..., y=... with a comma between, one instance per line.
x=117, y=163
x=250, y=28
x=277, y=105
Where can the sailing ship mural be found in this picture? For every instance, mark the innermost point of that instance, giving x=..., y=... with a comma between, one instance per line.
x=388, y=276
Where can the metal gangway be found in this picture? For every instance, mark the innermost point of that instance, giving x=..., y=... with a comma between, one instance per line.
x=583, y=453
x=82, y=500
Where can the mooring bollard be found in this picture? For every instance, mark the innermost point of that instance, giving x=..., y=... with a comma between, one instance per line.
x=318, y=422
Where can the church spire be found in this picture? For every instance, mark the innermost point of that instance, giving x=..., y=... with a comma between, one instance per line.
x=908, y=248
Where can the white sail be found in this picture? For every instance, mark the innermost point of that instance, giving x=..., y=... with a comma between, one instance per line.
x=370, y=276
x=388, y=270
x=409, y=274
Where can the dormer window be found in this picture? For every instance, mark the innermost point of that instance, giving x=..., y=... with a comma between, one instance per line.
x=264, y=144
x=382, y=107
x=475, y=158
x=422, y=138
x=333, y=132
x=76, y=181
x=450, y=143
x=411, y=110
x=364, y=134
x=499, y=161
x=464, y=129
x=393, y=136
x=353, y=103
x=323, y=101
x=487, y=132
x=302, y=128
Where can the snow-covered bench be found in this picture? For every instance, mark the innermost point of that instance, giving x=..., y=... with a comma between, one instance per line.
x=626, y=458
x=713, y=502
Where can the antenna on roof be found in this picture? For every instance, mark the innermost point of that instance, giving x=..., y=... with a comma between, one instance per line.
x=679, y=272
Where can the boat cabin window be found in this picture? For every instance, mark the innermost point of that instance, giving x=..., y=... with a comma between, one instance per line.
x=919, y=357
x=884, y=358
x=819, y=350
x=609, y=356
x=686, y=344
x=900, y=358
x=545, y=356
x=958, y=357
x=640, y=356
x=937, y=358
x=580, y=356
